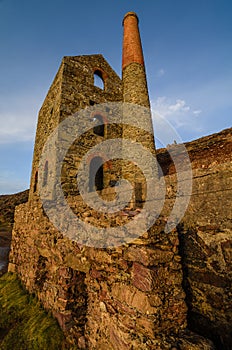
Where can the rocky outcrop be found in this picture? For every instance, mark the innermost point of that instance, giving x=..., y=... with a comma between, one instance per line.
x=7, y=208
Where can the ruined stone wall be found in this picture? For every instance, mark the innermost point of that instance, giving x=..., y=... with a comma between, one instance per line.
x=48, y=120
x=205, y=235
x=132, y=295
x=135, y=294
x=72, y=90
x=78, y=89
x=116, y=298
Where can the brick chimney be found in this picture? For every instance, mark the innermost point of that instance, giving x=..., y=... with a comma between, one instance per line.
x=133, y=70
x=132, y=48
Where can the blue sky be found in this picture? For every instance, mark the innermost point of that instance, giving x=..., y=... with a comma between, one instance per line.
x=187, y=46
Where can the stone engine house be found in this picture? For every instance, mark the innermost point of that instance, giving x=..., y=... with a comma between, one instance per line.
x=143, y=294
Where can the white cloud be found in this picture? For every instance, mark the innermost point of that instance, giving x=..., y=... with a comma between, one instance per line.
x=179, y=106
x=165, y=107
x=160, y=72
x=16, y=127
x=18, y=119
x=197, y=112
x=176, y=116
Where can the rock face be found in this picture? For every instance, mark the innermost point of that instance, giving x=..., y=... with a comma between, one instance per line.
x=7, y=208
x=143, y=293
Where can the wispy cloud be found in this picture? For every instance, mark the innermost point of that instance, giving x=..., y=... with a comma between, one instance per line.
x=18, y=118
x=197, y=111
x=16, y=127
x=177, y=115
x=178, y=107
x=160, y=72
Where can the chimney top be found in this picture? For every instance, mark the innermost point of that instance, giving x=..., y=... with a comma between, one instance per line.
x=131, y=13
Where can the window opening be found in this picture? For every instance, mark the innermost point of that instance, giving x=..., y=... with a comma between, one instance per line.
x=98, y=79
x=138, y=194
x=36, y=181
x=96, y=174
x=98, y=129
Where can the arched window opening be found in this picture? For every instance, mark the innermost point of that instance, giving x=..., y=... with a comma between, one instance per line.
x=96, y=174
x=36, y=182
x=45, y=175
x=98, y=129
x=98, y=79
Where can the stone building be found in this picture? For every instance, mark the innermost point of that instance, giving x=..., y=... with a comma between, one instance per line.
x=130, y=295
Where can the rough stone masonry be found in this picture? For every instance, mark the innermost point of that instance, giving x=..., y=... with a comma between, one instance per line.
x=147, y=293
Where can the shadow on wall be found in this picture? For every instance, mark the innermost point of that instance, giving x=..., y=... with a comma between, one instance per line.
x=207, y=285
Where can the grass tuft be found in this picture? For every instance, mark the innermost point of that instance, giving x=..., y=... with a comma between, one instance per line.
x=24, y=324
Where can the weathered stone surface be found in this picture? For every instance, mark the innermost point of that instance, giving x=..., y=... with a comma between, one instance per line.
x=77, y=263
x=199, y=249
x=208, y=280
x=133, y=298
x=148, y=256
x=142, y=278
